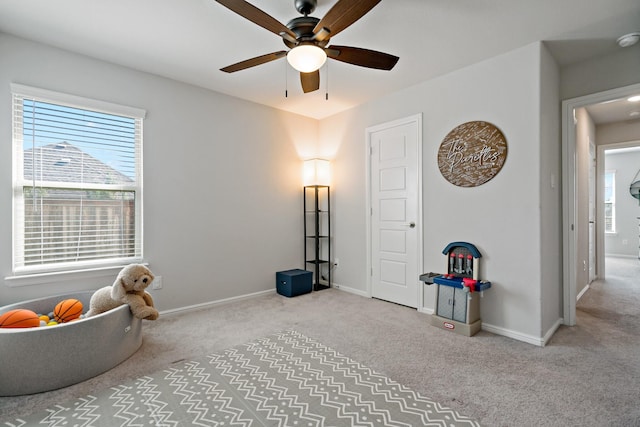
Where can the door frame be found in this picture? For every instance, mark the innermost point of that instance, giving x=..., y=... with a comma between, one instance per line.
x=417, y=119
x=593, y=272
x=569, y=216
x=601, y=168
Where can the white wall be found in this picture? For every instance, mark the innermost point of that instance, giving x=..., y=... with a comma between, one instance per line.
x=222, y=179
x=502, y=217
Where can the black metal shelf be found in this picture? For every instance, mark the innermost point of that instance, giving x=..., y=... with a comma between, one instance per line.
x=317, y=232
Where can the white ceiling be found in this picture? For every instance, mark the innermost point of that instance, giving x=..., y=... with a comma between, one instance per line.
x=190, y=40
x=618, y=110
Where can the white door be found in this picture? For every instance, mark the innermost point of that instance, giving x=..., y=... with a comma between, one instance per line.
x=395, y=212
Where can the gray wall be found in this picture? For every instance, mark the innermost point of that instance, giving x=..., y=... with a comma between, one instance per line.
x=585, y=132
x=600, y=74
x=624, y=242
x=550, y=194
x=618, y=133
x=576, y=80
x=222, y=179
x=625, y=134
x=503, y=217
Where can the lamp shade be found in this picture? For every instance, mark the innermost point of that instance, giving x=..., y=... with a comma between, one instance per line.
x=306, y=58
x=316, y=172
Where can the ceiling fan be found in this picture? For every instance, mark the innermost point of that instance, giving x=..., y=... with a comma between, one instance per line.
x=307, y=38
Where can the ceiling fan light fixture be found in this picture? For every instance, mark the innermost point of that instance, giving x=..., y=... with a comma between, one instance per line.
x=306, y=58
x=628, y=39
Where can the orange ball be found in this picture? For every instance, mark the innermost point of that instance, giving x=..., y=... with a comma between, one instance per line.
x=19, y=318
x=67, y=310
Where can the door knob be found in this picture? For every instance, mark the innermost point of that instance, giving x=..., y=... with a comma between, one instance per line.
x=411, y=225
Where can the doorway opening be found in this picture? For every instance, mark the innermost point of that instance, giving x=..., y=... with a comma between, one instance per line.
x=620, y=207
x=575, y=197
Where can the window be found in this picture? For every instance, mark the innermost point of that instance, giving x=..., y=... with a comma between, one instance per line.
x=610, y=202
x=77, y=186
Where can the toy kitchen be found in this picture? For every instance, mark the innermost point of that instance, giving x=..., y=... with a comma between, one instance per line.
x=458, y=292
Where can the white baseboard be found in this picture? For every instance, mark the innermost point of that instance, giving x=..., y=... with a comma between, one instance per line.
x=552, y=330
x=582, y=292
x=537, y=341
x=366, y=295
x=217, y=302
x=426, y=310
x=540, y=342
x=530, y=339
x=243, y=297
x=351, y=290
x=247, y=296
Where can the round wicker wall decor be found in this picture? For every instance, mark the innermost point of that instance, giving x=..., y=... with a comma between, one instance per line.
x=472, y=154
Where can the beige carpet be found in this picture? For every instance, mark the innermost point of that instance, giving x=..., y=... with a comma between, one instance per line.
x=285, y=379
x=587, y=376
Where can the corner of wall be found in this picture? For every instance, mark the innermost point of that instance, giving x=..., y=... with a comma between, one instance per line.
x=550, y=190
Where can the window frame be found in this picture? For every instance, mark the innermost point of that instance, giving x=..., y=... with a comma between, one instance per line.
x=20, y=92
x=612, y=201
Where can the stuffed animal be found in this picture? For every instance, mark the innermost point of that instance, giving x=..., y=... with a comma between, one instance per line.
x=129, y=288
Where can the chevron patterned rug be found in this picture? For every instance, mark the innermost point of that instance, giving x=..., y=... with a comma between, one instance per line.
x=286, y=379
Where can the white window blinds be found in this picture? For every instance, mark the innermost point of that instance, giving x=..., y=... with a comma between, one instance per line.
x=77, y=182
x=610, y=201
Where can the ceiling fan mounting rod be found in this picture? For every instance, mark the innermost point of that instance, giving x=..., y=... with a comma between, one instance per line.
x=302, y=27
x=305, y=7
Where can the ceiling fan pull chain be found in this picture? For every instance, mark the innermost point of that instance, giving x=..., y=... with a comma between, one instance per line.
x=286, y=80
x=326, y=95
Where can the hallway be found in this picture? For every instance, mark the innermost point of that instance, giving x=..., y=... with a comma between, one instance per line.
x=614, y=303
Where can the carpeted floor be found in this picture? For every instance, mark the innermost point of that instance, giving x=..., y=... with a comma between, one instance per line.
x=285, y=379
x=586, y=376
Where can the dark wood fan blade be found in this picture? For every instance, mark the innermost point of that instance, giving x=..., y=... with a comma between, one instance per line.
x=258, y=60
x=341, y=15
x=257, y=16
x=310, y=81
x=362, y=57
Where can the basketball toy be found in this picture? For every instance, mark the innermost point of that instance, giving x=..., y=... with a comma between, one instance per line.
x=67, y=310
x=19, y=318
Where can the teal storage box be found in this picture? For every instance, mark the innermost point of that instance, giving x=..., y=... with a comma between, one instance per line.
x=294, y=282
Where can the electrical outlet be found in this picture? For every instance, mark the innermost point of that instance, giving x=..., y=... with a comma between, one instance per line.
x=336, y=262
x=157, y=283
